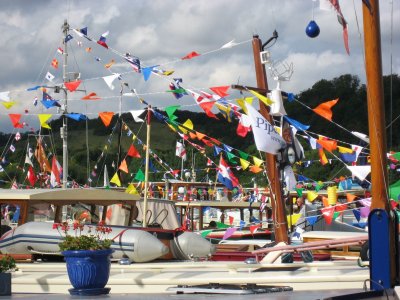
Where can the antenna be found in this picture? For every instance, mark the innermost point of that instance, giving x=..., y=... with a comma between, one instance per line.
x=281, y=70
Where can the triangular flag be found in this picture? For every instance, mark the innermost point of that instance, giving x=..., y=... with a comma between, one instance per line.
x=135, y=115
x=188, y=124
x=8, y=105
x=115, y=179
x=31, y=176
x=328, y=145
x=131, y=189
x=106, y=117
x=324, y=109
x=123, y=166
x=43, y=118
x=357, y=214
x=244, y=163
x=292, y=219
x=327, y=213
x=262, y=98
x=72, y=85
x=325, y=201
x=191, y=55
x=311, y=196
x=255, y=169
x=312, y=220
x=109, y=80
x=350, y=197
x=220, y=90
x=15, y=120
x=91, y=96
x=253, y=228
x=229, y=232
x=132, y=152
x=139, y=176
x=258, y=162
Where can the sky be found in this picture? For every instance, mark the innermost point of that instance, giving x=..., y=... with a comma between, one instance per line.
x=161, y=32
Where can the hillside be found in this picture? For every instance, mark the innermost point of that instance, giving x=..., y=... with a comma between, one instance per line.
x=350, y=112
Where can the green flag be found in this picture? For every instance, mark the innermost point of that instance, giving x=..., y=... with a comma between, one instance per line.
x=139, y=176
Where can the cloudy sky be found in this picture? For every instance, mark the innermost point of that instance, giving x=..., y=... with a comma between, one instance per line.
x=161, y=32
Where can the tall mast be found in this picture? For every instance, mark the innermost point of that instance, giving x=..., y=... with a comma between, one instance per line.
x=64, y=129
x=281, y=231
x=146, y=172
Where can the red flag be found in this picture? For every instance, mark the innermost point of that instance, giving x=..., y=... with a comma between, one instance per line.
x=327, y=213
x=220, y=90
x=132, y=152
x=231, y=220
x=324, y=109
x=15, y=120
x=253, y=228
x=191, y=55
x=207, y=106
x=31, y=176
x=73, y=85
x=242, y=130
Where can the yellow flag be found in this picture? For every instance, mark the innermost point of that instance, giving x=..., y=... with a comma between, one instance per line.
x=167, y=73
x=344, y=149
x=183, y=129
x=257, y=161
x=241, y=102
x=115, y=180
x=43, y=118
x=245, y=164
x=8, y=105
x=311, y=196
x=262, y=98
x=131, y=189
x=292, y=219
x=188, y=124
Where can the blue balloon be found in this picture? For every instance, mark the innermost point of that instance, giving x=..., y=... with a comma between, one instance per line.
x=312, y=29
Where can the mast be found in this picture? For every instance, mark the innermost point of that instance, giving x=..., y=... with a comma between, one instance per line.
x=278, y=207
x=383, y=239
x=63, y=129
x=146, y=172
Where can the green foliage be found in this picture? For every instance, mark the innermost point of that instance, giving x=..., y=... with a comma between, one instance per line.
x=78, y=241
x=7, y=264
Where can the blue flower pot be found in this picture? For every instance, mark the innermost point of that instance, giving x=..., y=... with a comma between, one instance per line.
x=88, y=270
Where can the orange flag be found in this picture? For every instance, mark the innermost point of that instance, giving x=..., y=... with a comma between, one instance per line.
x=322, y=157
x=327, y=144
x=350, y=197
x=255, y=169
x=73, y=85
x=192, y=135
x=132, y=152
x=91, y=96
x=325, y=201
x=324, y=109
x=42, y=158
x=220, y=90
x=200, y=135
x=106, y=117
x=124, y=167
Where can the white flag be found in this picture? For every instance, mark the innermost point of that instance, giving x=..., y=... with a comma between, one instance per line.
x=180, y=150
x=360, y=171
x=5, y=96
x=136, y=114
x=12, y=148
x=50, y=76
x=17, y=136
x=109, y=80
x=265, y=135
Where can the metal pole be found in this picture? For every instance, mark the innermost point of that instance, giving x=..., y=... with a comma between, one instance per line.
x=64, y=128
x=146, y=172
x=278, y=206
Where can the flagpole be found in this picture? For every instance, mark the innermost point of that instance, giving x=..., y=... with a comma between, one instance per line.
x=183, y=145
x=63, y=129
x=146, y=173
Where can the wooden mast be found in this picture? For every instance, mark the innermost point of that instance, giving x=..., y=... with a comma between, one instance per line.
x=146, y=172
x=376, y=107
x=377, y=134
x=278, y=206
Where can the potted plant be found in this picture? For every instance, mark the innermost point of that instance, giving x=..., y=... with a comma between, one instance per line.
x=7, y=265
x=86, y=250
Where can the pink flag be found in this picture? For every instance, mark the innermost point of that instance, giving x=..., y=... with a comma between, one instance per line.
x=229, y=232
